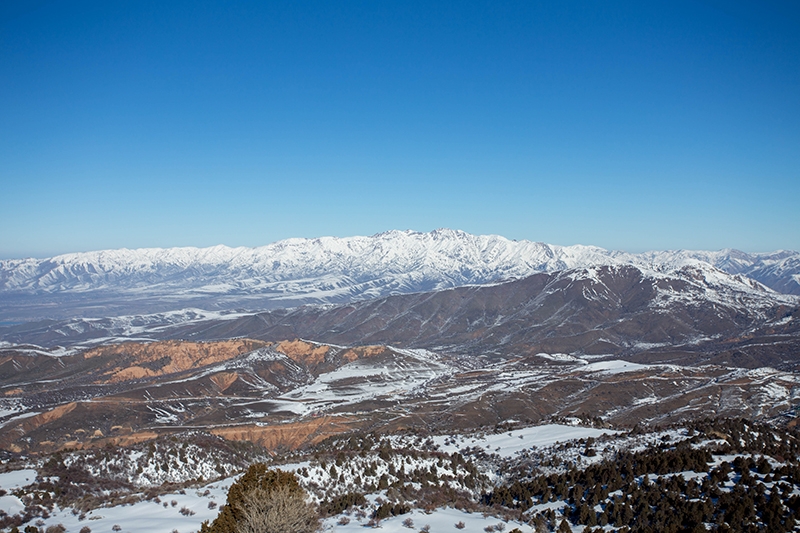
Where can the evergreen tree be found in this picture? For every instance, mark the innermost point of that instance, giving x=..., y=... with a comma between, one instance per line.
x=264, y=501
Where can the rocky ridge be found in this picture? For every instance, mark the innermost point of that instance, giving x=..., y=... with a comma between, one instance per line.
x=323, y=270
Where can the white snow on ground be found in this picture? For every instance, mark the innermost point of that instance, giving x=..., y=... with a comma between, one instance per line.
x=440, y=520
x=648, y=345
x=6, y=412
x=155, y=517
x=614, y=367
x=20, y=417
x=364, y=380
x=15, y=479
x=775, y=392
x=151, y=516
x=26, y=349
x=560, y=357
x=647, y=400
x=11, y=505
x=512, y=442
x=589, y=357
x=691, y=474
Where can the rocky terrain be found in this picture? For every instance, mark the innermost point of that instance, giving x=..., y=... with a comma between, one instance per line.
x=493, y=393
x=623, y=343
x=290, y=394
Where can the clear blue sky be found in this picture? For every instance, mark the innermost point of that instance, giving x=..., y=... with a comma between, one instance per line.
x=628, y=125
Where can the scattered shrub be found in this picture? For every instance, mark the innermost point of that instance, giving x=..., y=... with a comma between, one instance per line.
x=387, y=509
x=185, y=511
x=341, y=503
x=265, y=501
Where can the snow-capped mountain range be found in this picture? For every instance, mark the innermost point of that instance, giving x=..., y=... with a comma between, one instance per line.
x=326, y=270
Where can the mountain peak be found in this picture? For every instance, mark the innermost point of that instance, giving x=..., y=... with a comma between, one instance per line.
x=328, y=270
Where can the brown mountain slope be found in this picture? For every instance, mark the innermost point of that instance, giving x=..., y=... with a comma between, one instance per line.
x=607, y=310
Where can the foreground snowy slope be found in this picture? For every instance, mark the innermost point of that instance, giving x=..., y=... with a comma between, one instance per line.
x=568, y=476
x=184, y=510
x=323, y=270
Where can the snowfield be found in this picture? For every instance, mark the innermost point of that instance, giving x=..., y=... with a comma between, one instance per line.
x=185, y=512
x=151, y=516
x=440, y=520
x=17, y=478
x=615, y=367
x=515, y=441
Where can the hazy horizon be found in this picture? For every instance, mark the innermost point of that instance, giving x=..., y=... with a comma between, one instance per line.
x=374, y=234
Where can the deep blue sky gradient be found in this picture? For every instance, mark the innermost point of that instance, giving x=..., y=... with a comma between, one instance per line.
x=628, y=125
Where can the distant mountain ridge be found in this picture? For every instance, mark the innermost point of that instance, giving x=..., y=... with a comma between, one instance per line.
x=689, y=315
x=323, y=270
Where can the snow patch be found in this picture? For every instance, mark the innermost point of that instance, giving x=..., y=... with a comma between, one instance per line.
x=515, y=441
